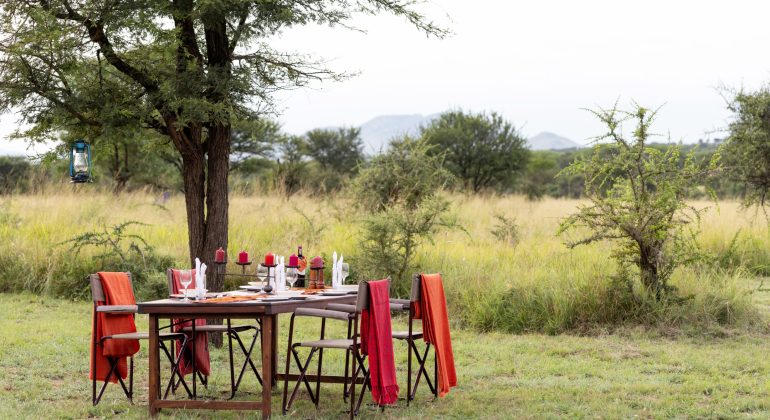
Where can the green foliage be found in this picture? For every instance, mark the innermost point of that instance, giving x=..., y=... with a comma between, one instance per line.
x=483, y=151
x=291, y=166
x=337, y=153
x=637, y=199
x=747, y=153
x=400, y=191
x=506, y=230
x=253, y=142
x=119, y=250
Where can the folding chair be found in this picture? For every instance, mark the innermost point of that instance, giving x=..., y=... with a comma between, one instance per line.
x=232, y=332
x=97, y=293
x=410, y=336
x=348, y=313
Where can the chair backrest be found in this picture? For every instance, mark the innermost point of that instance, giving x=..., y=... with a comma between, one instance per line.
x=170, y=276
x=97, y=291
x=416, y=288
x=362, y=299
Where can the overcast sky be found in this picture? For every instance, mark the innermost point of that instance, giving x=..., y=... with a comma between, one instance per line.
x=536, y=62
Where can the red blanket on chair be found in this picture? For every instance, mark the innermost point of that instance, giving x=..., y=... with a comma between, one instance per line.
x=377, y=342
x=117, y=291
x=202, y=359
x=435, y=328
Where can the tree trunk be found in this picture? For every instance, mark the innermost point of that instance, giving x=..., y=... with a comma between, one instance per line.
x=648, y=268
x=194, y=177
x=217, y=201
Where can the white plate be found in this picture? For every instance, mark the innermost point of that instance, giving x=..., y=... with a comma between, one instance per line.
x=275, y=299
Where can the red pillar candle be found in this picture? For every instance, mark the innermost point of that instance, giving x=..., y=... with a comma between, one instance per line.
x=243, y=257
x=317, y=262
x=219, y=255
x=293, y=261
x=269, y=259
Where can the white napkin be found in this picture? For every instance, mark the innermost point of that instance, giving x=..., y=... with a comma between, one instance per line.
x=203, y=275
x=334, y=270
x=280, y=280
x=339, y=272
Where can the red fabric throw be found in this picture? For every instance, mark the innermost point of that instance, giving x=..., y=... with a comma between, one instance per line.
x=377, y=342
x=117, y=291
x=435, y=327
x=202, y=359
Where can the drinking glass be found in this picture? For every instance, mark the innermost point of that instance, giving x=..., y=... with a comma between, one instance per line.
x=345, y=272
x=262, y=274
x=185, y=277
x=291, y=276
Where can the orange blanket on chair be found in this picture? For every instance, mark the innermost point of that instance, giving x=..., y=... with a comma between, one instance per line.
x=377, y=342
x=117, y=291
x=202, y=359
x=435, y=328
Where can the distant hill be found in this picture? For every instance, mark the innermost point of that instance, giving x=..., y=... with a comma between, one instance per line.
x=551, y=141
x=377, y=132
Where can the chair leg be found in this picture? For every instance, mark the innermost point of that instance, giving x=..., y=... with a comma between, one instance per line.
x=301, y=378
x=113, y=366
x=345, y=381
x=93, y=372
x=409, y=396
x=230, y=353
x=131, y=381
x=175, y=371
x=421, y=371
x=367, y=383
x=435, y=373
x=248, y=362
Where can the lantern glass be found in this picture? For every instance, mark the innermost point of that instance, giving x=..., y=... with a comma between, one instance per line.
x=80, y=162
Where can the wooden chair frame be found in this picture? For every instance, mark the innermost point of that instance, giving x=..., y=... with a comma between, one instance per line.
x=97, y=294
x=352, y=346
x=232, y=333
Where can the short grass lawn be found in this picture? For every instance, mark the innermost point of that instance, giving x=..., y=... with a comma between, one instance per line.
x=44, y=366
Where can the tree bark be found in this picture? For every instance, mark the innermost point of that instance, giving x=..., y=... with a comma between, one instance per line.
x=217, y=197
x=194, y=177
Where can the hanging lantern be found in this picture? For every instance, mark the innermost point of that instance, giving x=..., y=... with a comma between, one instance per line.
x=80, y=162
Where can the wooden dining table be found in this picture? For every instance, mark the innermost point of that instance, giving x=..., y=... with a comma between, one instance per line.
x=263, y=311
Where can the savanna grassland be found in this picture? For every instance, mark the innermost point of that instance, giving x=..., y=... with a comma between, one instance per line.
x=539, y=330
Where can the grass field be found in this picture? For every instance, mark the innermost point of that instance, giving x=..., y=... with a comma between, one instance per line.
x=539, y=330
x=629, y=374
x=535, y=285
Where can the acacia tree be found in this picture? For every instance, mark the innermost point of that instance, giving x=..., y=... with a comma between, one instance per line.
x=747, y=152
x=481, y=150
x=187, y=69
x=637, y=198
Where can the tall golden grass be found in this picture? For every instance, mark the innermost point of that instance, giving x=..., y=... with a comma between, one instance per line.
x=536, y=285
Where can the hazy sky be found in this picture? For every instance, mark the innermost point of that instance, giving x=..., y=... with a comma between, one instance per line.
x=536, y=62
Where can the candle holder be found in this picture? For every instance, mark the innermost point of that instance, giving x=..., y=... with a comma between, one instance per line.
x=243, y=265
x=268, y=288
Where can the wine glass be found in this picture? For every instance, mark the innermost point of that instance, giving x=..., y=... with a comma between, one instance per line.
x=262, y=274
x=345, y=271
x=291, y=276
x=185, y=277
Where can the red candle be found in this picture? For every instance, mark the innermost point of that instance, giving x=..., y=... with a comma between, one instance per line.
x=293, y=261
x=243, y=257
x=219, y=256
x=269, y=259
x=317, y=262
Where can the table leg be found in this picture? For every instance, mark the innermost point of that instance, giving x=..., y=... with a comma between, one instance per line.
x=267, y=363
x=154, y=379
x=275, y=349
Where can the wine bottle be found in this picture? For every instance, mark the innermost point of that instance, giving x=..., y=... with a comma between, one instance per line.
x=302, y=267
